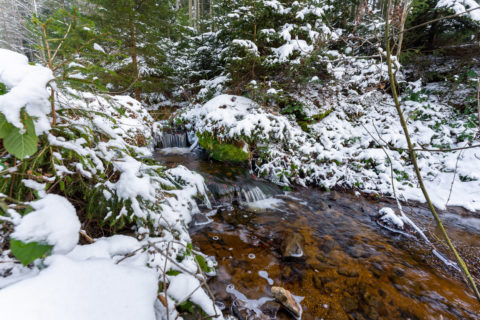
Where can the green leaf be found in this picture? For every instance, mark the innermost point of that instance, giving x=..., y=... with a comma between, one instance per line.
x=22, y=145
x=29, y=252
x=5, y=126
x=202, y=263
x=173, y=272
x=186, y=306
x=3, y=89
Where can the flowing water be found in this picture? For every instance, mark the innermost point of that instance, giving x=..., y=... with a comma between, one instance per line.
x=343, y=263
x=173, y=139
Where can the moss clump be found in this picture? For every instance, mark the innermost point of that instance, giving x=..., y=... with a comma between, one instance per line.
x=222, y=151
x=319, y=117
x=314, y=119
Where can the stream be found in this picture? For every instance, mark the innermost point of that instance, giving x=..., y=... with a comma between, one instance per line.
x=327, y=248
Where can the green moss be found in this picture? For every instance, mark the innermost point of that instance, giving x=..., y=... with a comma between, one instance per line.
x=314, y=119
x=304, y=125
x=222, y=151
x=319, y=117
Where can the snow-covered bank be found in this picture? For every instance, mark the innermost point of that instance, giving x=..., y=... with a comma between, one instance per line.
x=92, y=167
x=360, y=139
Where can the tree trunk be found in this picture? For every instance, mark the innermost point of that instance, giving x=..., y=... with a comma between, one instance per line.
x=405, y=9
x=5, y=29
x=133, y=53
x=190, y=12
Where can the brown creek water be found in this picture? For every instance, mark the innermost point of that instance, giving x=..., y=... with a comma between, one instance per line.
x=350, y=266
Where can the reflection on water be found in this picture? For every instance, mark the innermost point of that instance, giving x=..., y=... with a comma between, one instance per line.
x=350, y=267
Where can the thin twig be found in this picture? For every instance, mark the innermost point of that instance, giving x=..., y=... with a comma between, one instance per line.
x=84, y=234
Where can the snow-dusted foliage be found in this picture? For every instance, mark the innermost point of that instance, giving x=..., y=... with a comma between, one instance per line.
x=20, y=77
x=255, y=36
x=92, y=157
x=462, y=6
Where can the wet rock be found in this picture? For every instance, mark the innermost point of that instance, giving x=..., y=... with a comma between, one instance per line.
x=223, y=275
x=317, y=281
x=358, y=251
x=242, y=312
x=399, y=272
x=292, y=246
x=287, y=300
x=270, y=309
x=347, y=271
x=337, y=314
x=327, y=244
x=327, y=279
x=319, y=266
x=349, y=304
x=239, y=312
x=374, y=303
x=334, y=196
x=200, y=220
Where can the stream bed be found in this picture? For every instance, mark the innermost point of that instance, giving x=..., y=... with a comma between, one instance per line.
x=327, y=248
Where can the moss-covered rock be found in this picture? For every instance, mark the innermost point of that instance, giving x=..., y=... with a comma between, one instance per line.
x=223, y=151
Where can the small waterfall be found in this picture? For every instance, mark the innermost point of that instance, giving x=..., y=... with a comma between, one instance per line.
x=173, y=140
x=252, y=194
x=246, y=193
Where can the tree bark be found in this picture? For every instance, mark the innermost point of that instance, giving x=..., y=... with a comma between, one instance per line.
x=133, y=53
x=405, y=9
x=190, y=12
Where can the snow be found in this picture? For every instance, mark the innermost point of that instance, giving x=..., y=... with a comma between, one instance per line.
x=132, y=184
x=247, y=44
x=390, y=216
x=26, y=88
x=39, y=187
x=460, y=6
x=96, y=289
x=98, y=47
x=106, y=248
x=54, y=222
x=284, y=52
x=182, y=285
x=344, y=148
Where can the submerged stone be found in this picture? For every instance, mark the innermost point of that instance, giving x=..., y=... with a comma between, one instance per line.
x=292, y=246
x=287, y=300
x=270, y=308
